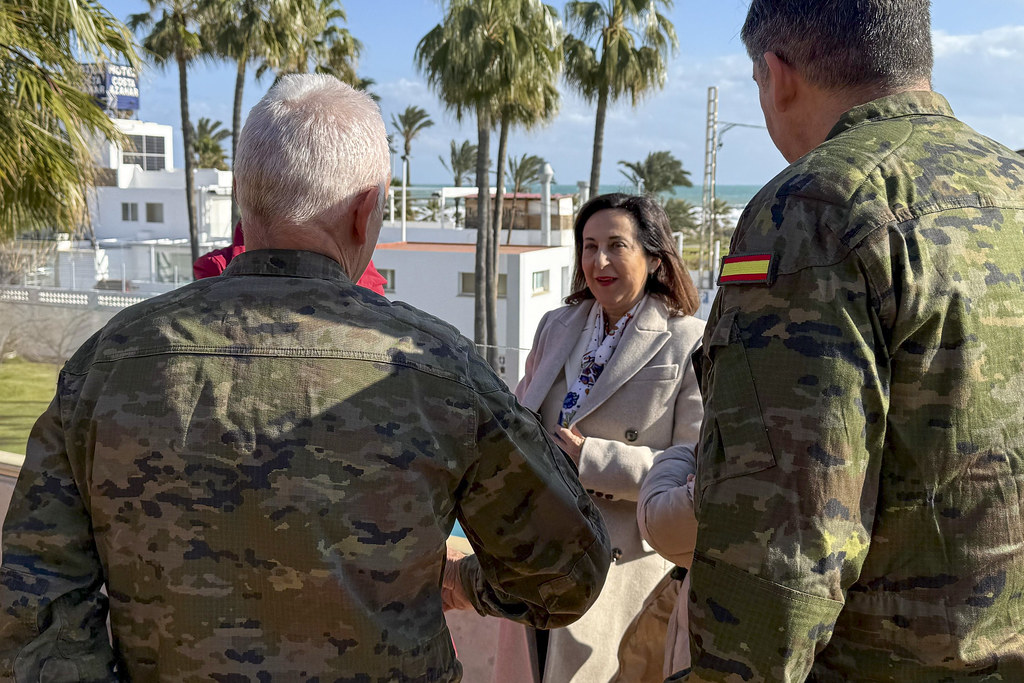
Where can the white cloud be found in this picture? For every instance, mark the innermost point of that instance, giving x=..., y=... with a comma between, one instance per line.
x=1003, y=43
x=981, y=75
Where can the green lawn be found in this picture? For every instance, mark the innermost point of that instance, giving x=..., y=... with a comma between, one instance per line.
x=25, y=391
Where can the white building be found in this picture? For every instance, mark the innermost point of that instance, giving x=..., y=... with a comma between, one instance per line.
x=439, y=278
x=140, y=195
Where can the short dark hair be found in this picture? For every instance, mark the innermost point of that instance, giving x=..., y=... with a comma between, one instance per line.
x=670, y=282
x=838, y=44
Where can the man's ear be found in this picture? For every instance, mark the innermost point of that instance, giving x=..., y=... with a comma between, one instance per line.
x=365, y=206
x=783, y=82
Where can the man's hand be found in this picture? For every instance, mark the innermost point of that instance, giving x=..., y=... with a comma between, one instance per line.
x=570, y=441
x=453, y=595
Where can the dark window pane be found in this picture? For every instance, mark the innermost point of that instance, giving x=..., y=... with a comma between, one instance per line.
x=154, y=213
x=154, y=145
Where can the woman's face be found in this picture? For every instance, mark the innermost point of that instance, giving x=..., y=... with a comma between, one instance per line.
x=614, y=263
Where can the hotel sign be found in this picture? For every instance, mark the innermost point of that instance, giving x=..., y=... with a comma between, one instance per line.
x=115, y=87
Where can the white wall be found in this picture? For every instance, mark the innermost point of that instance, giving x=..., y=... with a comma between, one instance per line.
x=429, y=280
x=213, y=207
x=429, y=232
x=532, y=307
x=108, y=155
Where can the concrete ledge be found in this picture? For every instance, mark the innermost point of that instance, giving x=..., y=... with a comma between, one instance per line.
x=10, y=464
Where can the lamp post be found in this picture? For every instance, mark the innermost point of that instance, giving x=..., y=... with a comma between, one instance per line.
x=546, y=176
x=405, y=176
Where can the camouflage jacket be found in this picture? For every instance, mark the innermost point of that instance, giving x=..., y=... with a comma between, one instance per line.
x=262, y=469
x=861, y=465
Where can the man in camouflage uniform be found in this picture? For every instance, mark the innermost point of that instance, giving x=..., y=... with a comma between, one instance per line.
x=262, y=468
x=861, y=465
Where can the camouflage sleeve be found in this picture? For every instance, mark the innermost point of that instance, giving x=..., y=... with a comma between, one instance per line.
x=795, y=380
x=52, y=613
x=541, y=548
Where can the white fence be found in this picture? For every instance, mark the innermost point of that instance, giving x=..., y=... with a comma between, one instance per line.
x=69, y=298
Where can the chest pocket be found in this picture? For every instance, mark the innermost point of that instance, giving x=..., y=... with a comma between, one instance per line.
x=733, y=440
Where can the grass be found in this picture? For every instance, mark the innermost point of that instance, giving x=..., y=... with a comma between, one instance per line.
x=25, y=391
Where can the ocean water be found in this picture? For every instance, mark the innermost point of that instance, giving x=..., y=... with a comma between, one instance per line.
x=735, y=196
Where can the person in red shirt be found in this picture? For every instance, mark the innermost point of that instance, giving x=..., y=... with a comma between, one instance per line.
x=214, y=263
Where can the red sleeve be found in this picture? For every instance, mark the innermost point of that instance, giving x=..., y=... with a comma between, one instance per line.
x=372, y=280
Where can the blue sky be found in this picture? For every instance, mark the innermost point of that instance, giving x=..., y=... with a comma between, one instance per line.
x=979, y=67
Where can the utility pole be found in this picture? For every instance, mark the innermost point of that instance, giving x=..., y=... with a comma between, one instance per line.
x=708, y=254
x=707, y=204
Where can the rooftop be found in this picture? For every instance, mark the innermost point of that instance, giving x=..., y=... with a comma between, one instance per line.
x=457, y=248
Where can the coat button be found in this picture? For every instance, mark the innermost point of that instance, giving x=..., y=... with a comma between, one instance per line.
x=631, y=435
x=616, y=554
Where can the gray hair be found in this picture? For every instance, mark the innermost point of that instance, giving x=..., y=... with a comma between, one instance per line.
x=840, y=44
x=307, y=150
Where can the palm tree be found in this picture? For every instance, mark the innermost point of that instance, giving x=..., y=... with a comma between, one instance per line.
x=465, y=59
x=242, y=31
x=365, y=84
x=620, y=47
x=659, y=172
x=462, y=159
x=209, y=148
x=526, y=171
x=684, y=217
x=529, y=101
x=46, y=120
x=409, y=124
x=315, y=41
x=472, y=59
x=173, y=37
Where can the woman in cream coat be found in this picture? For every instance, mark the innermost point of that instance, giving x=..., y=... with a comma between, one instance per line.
x=614, y=422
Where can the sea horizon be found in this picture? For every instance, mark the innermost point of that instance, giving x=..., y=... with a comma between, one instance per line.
x=736, y=196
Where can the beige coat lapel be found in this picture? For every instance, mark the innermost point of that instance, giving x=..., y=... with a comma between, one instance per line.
x=566, y=330
x=644, y=337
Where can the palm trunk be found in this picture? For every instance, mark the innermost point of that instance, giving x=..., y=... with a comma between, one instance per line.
x=512, y=216
x=483, y=232
x=190, y=162
x=595, y=166
x=236, y=129
x=492, y=284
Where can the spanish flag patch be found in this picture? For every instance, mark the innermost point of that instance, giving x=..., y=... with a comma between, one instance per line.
x=745, y=269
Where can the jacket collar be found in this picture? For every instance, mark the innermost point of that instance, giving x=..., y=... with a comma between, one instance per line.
x=286, y=263
x=911, y=103
x=644, y=337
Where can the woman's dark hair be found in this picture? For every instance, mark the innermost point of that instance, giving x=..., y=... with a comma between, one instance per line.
x=670, y=282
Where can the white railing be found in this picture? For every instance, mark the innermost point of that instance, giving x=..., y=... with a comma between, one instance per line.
x=69, y=298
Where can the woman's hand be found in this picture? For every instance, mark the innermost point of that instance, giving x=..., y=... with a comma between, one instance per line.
x=570, y=441
x=453, y=596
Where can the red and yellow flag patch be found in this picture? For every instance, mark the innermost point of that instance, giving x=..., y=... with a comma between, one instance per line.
x=745, y=269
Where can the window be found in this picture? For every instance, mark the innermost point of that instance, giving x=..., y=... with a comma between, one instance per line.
x=566, y=282
x=467, y=284
x=154, y=213
x=541, y=283
x=129, y=212
x=146, y=151
x=389, y=275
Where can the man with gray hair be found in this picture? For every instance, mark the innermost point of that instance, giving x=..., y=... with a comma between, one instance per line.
x=262, y=468
x=860, y=475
